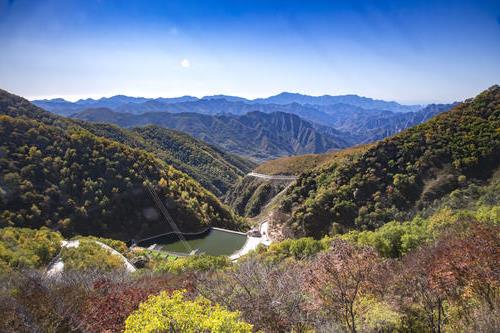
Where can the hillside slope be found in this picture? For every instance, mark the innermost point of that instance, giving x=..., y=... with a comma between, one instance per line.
x=213, y=168
x=55, y=173
x=257, y=135
x=396, y=177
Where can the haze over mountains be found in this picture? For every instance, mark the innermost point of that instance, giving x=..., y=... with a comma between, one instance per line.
x=241, y=126
x=138, y=104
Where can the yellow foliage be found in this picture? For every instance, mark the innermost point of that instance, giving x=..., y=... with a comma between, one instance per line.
x=164, y=313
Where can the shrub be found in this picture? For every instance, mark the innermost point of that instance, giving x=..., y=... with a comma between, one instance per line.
x=192, y=263
x=115, y=244
x=295, y=248
x=90, y=255
x=27, y=248
x=164, y=313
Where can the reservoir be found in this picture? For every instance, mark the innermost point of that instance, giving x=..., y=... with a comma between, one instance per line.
x=213, y=241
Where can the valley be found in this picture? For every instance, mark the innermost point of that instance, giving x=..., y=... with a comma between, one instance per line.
x=134, y=196
x=269, y=166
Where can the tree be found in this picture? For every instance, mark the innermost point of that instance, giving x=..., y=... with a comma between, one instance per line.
x=269, y=295
x=173, y=313
x=340, y=276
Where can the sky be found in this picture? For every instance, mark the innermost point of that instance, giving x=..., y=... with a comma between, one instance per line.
x=405, y=50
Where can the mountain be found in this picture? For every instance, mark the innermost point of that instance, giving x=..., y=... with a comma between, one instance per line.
x=284, y=98
x=354, y=100
x=55, y=172
x=396, y=177
x=227, y=98
x=257, y=135
x=371, y=125
x=58, y=106
x=361, y=119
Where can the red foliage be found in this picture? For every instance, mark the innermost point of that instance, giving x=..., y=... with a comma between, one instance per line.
x=110, y=304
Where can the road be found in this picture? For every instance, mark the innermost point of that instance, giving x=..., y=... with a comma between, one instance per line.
x=253, y=242
x=271, y=177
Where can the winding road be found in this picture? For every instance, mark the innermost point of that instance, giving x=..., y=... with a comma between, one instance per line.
x=271, y=177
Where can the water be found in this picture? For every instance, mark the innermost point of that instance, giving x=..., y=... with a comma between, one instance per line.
x=215, y=242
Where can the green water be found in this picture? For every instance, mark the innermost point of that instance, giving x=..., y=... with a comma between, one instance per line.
x=215, y=243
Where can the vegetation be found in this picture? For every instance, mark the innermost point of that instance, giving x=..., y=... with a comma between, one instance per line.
x=192, y=263
x=297, y=249
x=22, y=248
x=398, y=176
x=175, y=314
x=59, y=175
x=251, y=194
x=90, y=255
x=216, y=170
x=294, y=165
x=447, y=281
x=429, y=267
x=117, y=245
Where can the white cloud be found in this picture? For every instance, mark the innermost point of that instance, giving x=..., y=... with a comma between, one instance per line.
x=185, y=63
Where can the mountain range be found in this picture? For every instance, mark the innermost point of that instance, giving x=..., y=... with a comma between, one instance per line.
x=350, y=119
x=256, y=134
x=59, y=105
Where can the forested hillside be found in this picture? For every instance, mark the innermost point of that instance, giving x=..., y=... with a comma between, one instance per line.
x=400, y=175
x=213, y=168
x=55, y=173
x=251, y=194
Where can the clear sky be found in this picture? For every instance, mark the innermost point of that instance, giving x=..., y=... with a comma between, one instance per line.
x=405, y=50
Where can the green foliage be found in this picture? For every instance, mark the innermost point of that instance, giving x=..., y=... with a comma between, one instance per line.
x=251, y=194
x=216, y=170
x=117, y=245
x=192, y=263
x=298, y=249
x=377, y=316
x=395, y=239
x=54, y=173
x=165, y=313
x=27, y=248
x=399, y=176
x=90, y=255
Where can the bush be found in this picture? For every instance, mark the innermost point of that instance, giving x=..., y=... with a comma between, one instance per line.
x=192, y=263
x=164, y=313
x=115, y=244
x=90, y=255
x=298, y=249
x=27, y=248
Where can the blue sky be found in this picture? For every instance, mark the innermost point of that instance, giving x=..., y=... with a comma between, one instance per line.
x=408, y=51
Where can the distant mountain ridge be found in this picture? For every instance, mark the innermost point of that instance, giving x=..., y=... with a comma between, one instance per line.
x=62, y=106
x=361, y=119
x=354, y=100
x=256, y=134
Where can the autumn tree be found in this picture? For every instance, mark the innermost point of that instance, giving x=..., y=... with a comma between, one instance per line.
x=340, y=276
x=270, y=296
